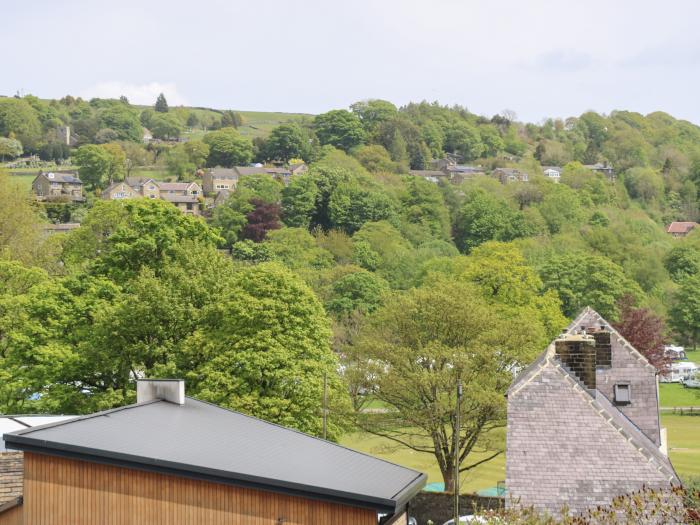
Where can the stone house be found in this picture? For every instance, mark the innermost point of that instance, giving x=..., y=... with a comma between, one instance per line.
x=119, y=190
x=604, y=168
x=508, y=175
x=215, y=180
x=583, y=423
x=184, y=195
x=58, y=186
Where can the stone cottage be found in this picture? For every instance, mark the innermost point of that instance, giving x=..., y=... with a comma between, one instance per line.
x=583, y=423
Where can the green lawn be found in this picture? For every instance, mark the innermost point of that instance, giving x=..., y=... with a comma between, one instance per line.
x=683, y=443
x=676, y=395
x=24, y=181
x=683, y=439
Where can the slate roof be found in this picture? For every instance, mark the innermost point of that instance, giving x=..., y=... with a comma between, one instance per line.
x=179, y=198
x=204, y=441
x=174, y=186
x=223, y=173
x=62, y=176
x=681, y=227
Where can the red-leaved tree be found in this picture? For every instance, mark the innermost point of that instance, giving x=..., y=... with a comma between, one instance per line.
x=264, y=217
x=644, y=330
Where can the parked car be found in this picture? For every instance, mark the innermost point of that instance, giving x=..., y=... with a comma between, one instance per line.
x=412, y=521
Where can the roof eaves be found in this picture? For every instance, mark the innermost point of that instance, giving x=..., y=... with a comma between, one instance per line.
x=11, y=504
x=29, y=444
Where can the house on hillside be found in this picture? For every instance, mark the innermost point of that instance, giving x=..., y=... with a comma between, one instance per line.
x=144, y=186
x=215, y=180
x=604, y=168
x=173, y=459
x=508, y=175
x=681, y=229
x=184, y=195
x=433, y=176
x=553, y=173
x=119, y=190
x=583, y=423
x=58, y=186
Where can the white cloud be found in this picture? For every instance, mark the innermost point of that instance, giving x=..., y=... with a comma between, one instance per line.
x=137, y=93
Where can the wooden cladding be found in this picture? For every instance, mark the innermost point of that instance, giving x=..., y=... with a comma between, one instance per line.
x=12, y=516
x=60, y=491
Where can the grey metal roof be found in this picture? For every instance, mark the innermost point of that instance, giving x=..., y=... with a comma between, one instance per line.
x=13, y=423
x=205, y=441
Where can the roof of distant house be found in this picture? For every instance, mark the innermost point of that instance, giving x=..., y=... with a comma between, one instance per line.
x=223, y=173
x=175, y=186
x=62, y=176
x=681, y=227
x=13, y=423
x=179, y=198
x=428, y=173
x=137, y=181
x=63, y=226
x=212, y=443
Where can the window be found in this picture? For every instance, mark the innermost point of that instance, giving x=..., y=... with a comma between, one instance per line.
x=622, y=394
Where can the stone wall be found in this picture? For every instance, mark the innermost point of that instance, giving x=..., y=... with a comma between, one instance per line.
x=437, y=506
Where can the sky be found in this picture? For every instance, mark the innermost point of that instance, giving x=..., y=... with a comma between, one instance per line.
x=538, y=58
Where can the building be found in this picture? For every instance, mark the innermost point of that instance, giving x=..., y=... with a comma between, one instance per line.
x=119, y=190
x=58, y=186
x=215, y=180
x=583, y=423
x=606, y=169
x=433, y=176
x=681, y=229
x=184, y=195
x=447, y=169
x=170, y=459
x=553, y=173
x=12, y=423
x=508, y=175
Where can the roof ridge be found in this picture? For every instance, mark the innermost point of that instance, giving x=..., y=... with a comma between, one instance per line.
x=304, y=434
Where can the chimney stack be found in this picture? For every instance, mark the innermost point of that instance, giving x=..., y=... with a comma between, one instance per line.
x=577, y=353
x=172, y=390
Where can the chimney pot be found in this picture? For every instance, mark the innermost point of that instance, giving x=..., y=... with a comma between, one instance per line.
x=172, y=390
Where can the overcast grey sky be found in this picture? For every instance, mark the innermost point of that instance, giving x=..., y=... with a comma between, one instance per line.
x=539, y=58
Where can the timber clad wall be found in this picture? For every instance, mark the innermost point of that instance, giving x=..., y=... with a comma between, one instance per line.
x=12, y=517
x=60, y=491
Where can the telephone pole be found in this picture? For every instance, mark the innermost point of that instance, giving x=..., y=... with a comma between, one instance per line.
x=325, y=403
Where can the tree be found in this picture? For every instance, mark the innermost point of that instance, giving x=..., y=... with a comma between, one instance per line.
x=352, y=205
x=264, y=216
x=117, y=162
x=374, y=158
x=644, y=184
x=21, y=237
x=10, y=148
x=299, y=201
x=373, y=112
x=644, y=330
x=484, y=217
x=166, y=126
x=231, y=119
x=684, y=314
x=410, y=357
x=118, y=239
x=264, y=349
x=123, y=120
x=95, y=164
x=682, y=261
x=285, y=142
x=339, y=128
x=583, y=279
x=423, y=205
x=463, y=138
x=361, y=292
x=228, y=148
x=198, y=152
x=297, y=249
x=18, y=117
x=179, y=163
x=161, y=105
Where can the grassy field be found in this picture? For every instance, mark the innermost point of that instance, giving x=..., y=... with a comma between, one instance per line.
x=676, y=395
x=683, y=443
x=683, y=438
